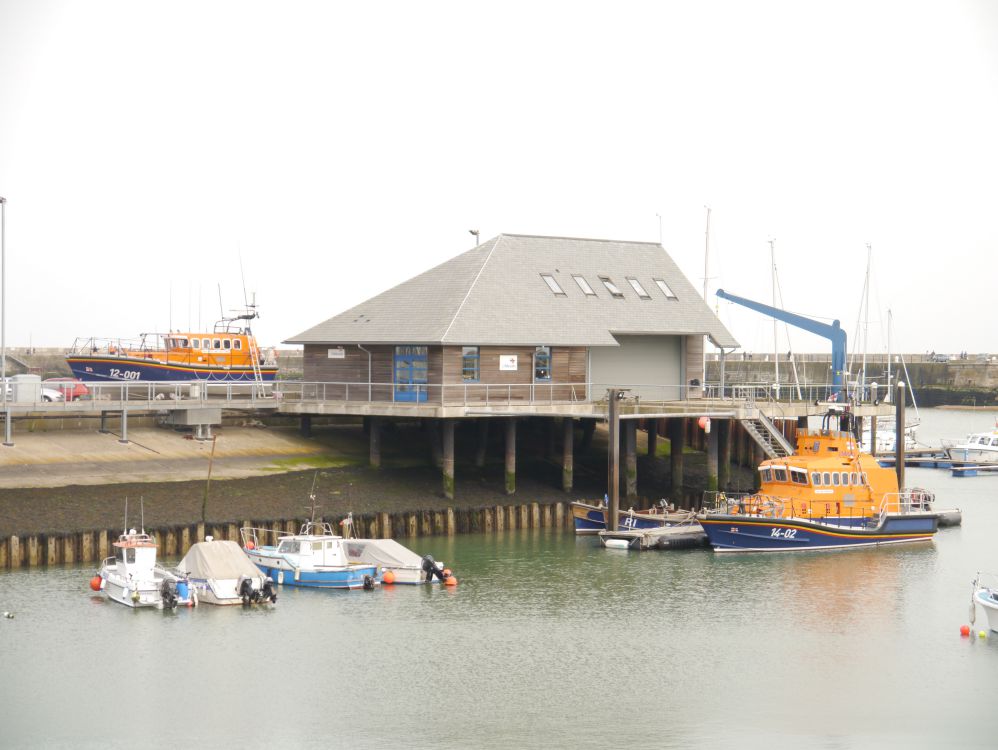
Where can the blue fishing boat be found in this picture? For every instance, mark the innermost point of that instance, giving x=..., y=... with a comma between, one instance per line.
x=590, y=519
x=315, y=557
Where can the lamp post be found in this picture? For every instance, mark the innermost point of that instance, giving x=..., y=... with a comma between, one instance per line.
x=476, y=233
x=3, y=318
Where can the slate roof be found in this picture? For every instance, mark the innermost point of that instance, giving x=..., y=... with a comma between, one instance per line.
x=494, y=295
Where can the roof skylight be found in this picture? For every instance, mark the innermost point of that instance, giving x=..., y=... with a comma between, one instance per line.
x=611, y=287
x=552, y=284
x=584, y=286
x=665, y=289
x=636, y=286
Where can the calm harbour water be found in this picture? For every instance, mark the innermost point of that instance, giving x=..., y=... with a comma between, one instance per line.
x=548, y=641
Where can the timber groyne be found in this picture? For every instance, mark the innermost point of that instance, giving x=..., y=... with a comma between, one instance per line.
x=93, y=546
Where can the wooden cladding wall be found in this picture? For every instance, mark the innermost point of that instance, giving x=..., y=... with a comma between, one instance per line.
x=319, y=367
x=568, y=367
x=343, y=378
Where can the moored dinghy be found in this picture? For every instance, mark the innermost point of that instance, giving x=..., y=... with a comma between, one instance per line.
x=985, y=593
x=221, y=573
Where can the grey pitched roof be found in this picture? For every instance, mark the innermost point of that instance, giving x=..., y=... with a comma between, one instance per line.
x=494, y=295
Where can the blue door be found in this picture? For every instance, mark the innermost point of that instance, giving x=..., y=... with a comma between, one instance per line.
x=410, y=373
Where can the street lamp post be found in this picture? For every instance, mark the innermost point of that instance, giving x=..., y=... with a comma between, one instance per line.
x=3, y=318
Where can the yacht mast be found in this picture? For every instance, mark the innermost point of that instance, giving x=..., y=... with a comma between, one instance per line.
x=866, y=319
x=776, y=348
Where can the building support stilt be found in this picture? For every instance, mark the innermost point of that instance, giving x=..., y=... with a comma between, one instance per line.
x=567, y=449
x=723, y=453
x=631, y=457
x=677, y=438
x=374, y=435
x=448, y=459
x=510, y=456
x=483, y=442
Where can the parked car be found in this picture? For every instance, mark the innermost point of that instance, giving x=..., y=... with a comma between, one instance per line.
x=938, y=358
x=72, y=389
x=47, y=394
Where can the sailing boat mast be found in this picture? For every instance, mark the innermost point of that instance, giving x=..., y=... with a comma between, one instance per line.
x=776, y=349
x=890, y=323
x=706, y=255
x=866, y=318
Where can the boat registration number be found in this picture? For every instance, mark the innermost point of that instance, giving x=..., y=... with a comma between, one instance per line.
x=783, y=533
x=123, y=374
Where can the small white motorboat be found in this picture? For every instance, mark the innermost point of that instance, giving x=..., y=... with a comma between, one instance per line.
x=986, y=594
x=133, y=578
x=221, y=573
x=397, y=563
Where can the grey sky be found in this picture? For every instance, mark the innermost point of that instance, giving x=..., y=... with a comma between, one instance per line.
x=339, y=149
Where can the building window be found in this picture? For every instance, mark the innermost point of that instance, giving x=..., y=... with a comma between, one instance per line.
x=669, y=294
x=636, y=286
x=584, y=286
x=470, y=364
x=611, y=287
x=553, y=285
x=542, y=363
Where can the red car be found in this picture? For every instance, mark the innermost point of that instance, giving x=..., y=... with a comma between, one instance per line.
x=71, y=388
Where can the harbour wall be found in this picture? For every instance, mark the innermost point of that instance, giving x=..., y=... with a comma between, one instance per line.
x=957, y=382
x=93, y=546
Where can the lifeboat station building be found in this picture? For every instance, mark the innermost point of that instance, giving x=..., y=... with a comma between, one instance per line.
x=517, y=327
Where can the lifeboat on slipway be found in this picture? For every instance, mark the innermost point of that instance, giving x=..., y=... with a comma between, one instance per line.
x=227, y=354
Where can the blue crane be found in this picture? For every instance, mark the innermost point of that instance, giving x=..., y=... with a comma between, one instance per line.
x=833, y=333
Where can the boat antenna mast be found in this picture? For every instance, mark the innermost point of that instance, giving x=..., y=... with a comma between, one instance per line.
x=312, y=507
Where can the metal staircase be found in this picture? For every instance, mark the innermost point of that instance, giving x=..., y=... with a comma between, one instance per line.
x=766, y=434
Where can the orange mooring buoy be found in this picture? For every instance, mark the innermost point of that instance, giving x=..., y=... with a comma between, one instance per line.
x=965, y=630
x=450, y=581
x=95, y=583
x=250, y=545
x=388, y=577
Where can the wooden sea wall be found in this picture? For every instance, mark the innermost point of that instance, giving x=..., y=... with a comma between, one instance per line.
x=39, y=550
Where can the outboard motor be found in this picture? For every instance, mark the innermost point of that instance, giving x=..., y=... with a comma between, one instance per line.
x=368, y=583
x=168, y=591
x=431, y=569
x=246, y=590
x=268, y=590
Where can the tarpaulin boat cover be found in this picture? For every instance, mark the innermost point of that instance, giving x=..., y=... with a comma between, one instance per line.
x=384, y=552
x=219, y=560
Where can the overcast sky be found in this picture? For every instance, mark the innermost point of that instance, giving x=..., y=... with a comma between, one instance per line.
x=338, y=149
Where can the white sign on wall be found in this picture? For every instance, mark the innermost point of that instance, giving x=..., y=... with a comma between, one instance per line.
x=337, y=353
x=507, y=362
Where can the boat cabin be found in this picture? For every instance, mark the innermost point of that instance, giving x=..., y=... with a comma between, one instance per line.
x=135, y=554
x=313, y=551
